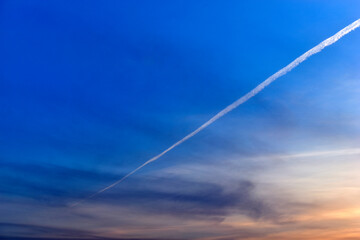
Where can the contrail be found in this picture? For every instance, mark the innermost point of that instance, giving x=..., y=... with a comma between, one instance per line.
x=243, y=99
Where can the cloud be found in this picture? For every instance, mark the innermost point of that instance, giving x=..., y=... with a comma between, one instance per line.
x=41, y=232
x=49, y=184
x=38, y=231
x=189, y=199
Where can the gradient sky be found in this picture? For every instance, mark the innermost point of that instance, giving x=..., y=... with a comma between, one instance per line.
x=89, y=90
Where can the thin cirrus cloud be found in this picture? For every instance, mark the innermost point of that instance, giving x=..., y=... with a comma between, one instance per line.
x=313, y=154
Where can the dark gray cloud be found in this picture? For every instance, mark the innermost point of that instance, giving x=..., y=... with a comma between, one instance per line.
x=51, y=238
x=13, y=231
x=38, y=231
x=57, y=186
x=189, y=199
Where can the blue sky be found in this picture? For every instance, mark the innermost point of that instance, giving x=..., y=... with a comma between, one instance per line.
x=89, y=90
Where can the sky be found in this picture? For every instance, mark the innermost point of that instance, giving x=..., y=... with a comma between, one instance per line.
x=90, y=90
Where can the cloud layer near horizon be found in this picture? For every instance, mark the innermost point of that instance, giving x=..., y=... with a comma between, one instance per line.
x=180, y=202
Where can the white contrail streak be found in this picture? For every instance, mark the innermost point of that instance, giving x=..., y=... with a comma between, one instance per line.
x=243, y=99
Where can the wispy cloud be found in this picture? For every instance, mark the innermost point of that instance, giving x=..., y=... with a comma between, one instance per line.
x=311, y=154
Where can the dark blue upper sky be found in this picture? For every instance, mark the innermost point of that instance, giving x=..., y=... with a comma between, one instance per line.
x=89, y=90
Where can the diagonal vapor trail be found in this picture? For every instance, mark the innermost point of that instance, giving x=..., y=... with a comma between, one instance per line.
x=241, y=100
